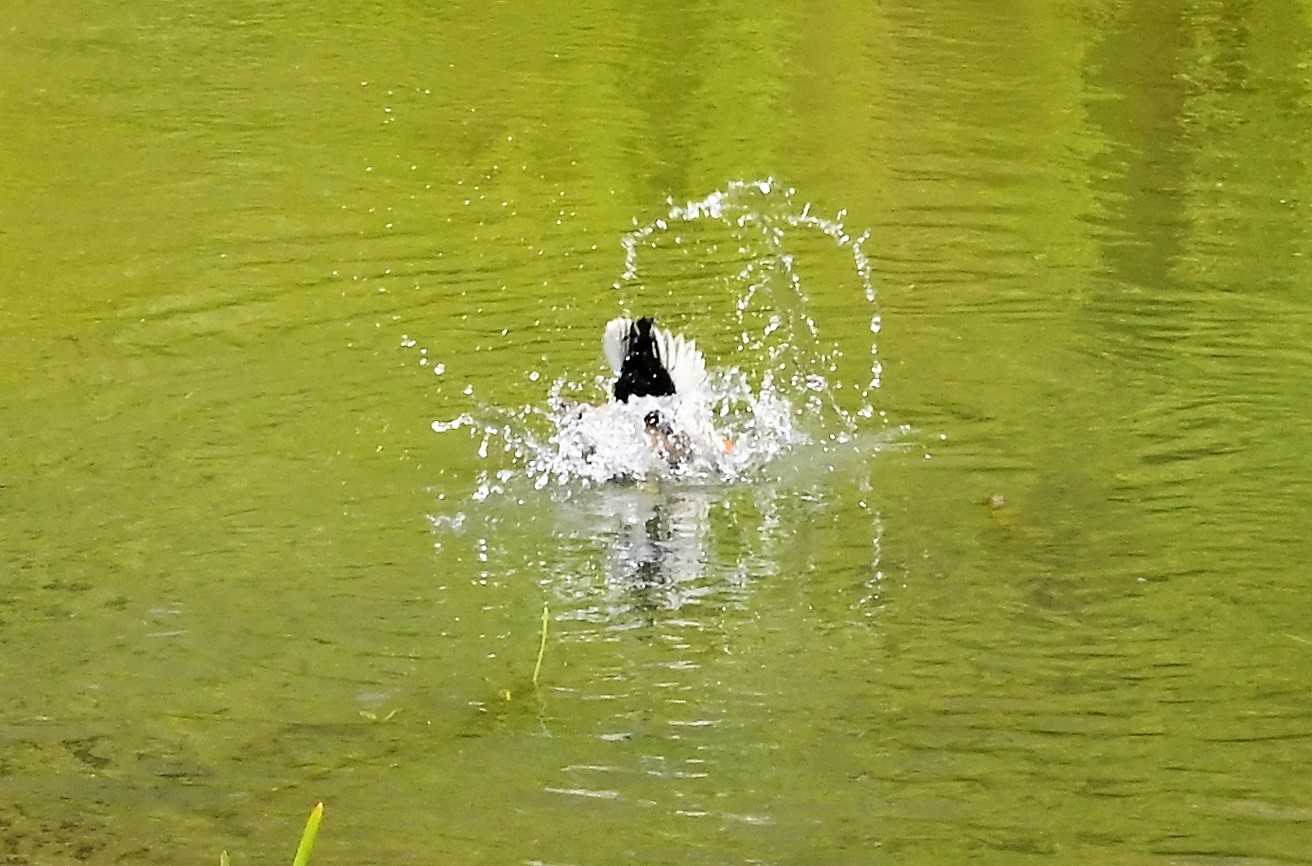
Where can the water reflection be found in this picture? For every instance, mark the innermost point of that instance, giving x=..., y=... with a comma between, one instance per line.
x=1190, y=316
x=1136, y=73
x=659, y=545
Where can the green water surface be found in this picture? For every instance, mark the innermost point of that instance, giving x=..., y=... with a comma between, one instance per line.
x=1058, y=613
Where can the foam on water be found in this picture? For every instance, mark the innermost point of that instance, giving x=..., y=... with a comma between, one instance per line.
x=781, y=386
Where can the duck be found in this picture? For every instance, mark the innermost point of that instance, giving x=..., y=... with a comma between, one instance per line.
x=651, y=362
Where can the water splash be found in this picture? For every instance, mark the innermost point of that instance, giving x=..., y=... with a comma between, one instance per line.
x=765, y=220
x=777, y=382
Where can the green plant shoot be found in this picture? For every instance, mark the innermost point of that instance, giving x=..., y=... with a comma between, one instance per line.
x=307, y=838
x=542, y=647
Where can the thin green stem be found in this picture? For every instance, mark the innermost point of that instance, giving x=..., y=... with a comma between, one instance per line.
x=542, y=647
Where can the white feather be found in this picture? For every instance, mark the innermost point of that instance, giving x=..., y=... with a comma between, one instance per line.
x=614, y=340
x=680, y=358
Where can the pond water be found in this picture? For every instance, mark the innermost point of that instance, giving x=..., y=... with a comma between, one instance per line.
x=1010, y=309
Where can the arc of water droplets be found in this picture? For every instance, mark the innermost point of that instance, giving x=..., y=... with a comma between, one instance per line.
x=543, y=440
x=727, y=206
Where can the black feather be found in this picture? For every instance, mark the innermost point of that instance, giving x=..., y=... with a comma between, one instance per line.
x=642, y=374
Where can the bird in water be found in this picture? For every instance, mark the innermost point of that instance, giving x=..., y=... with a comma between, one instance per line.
x=649, y=361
